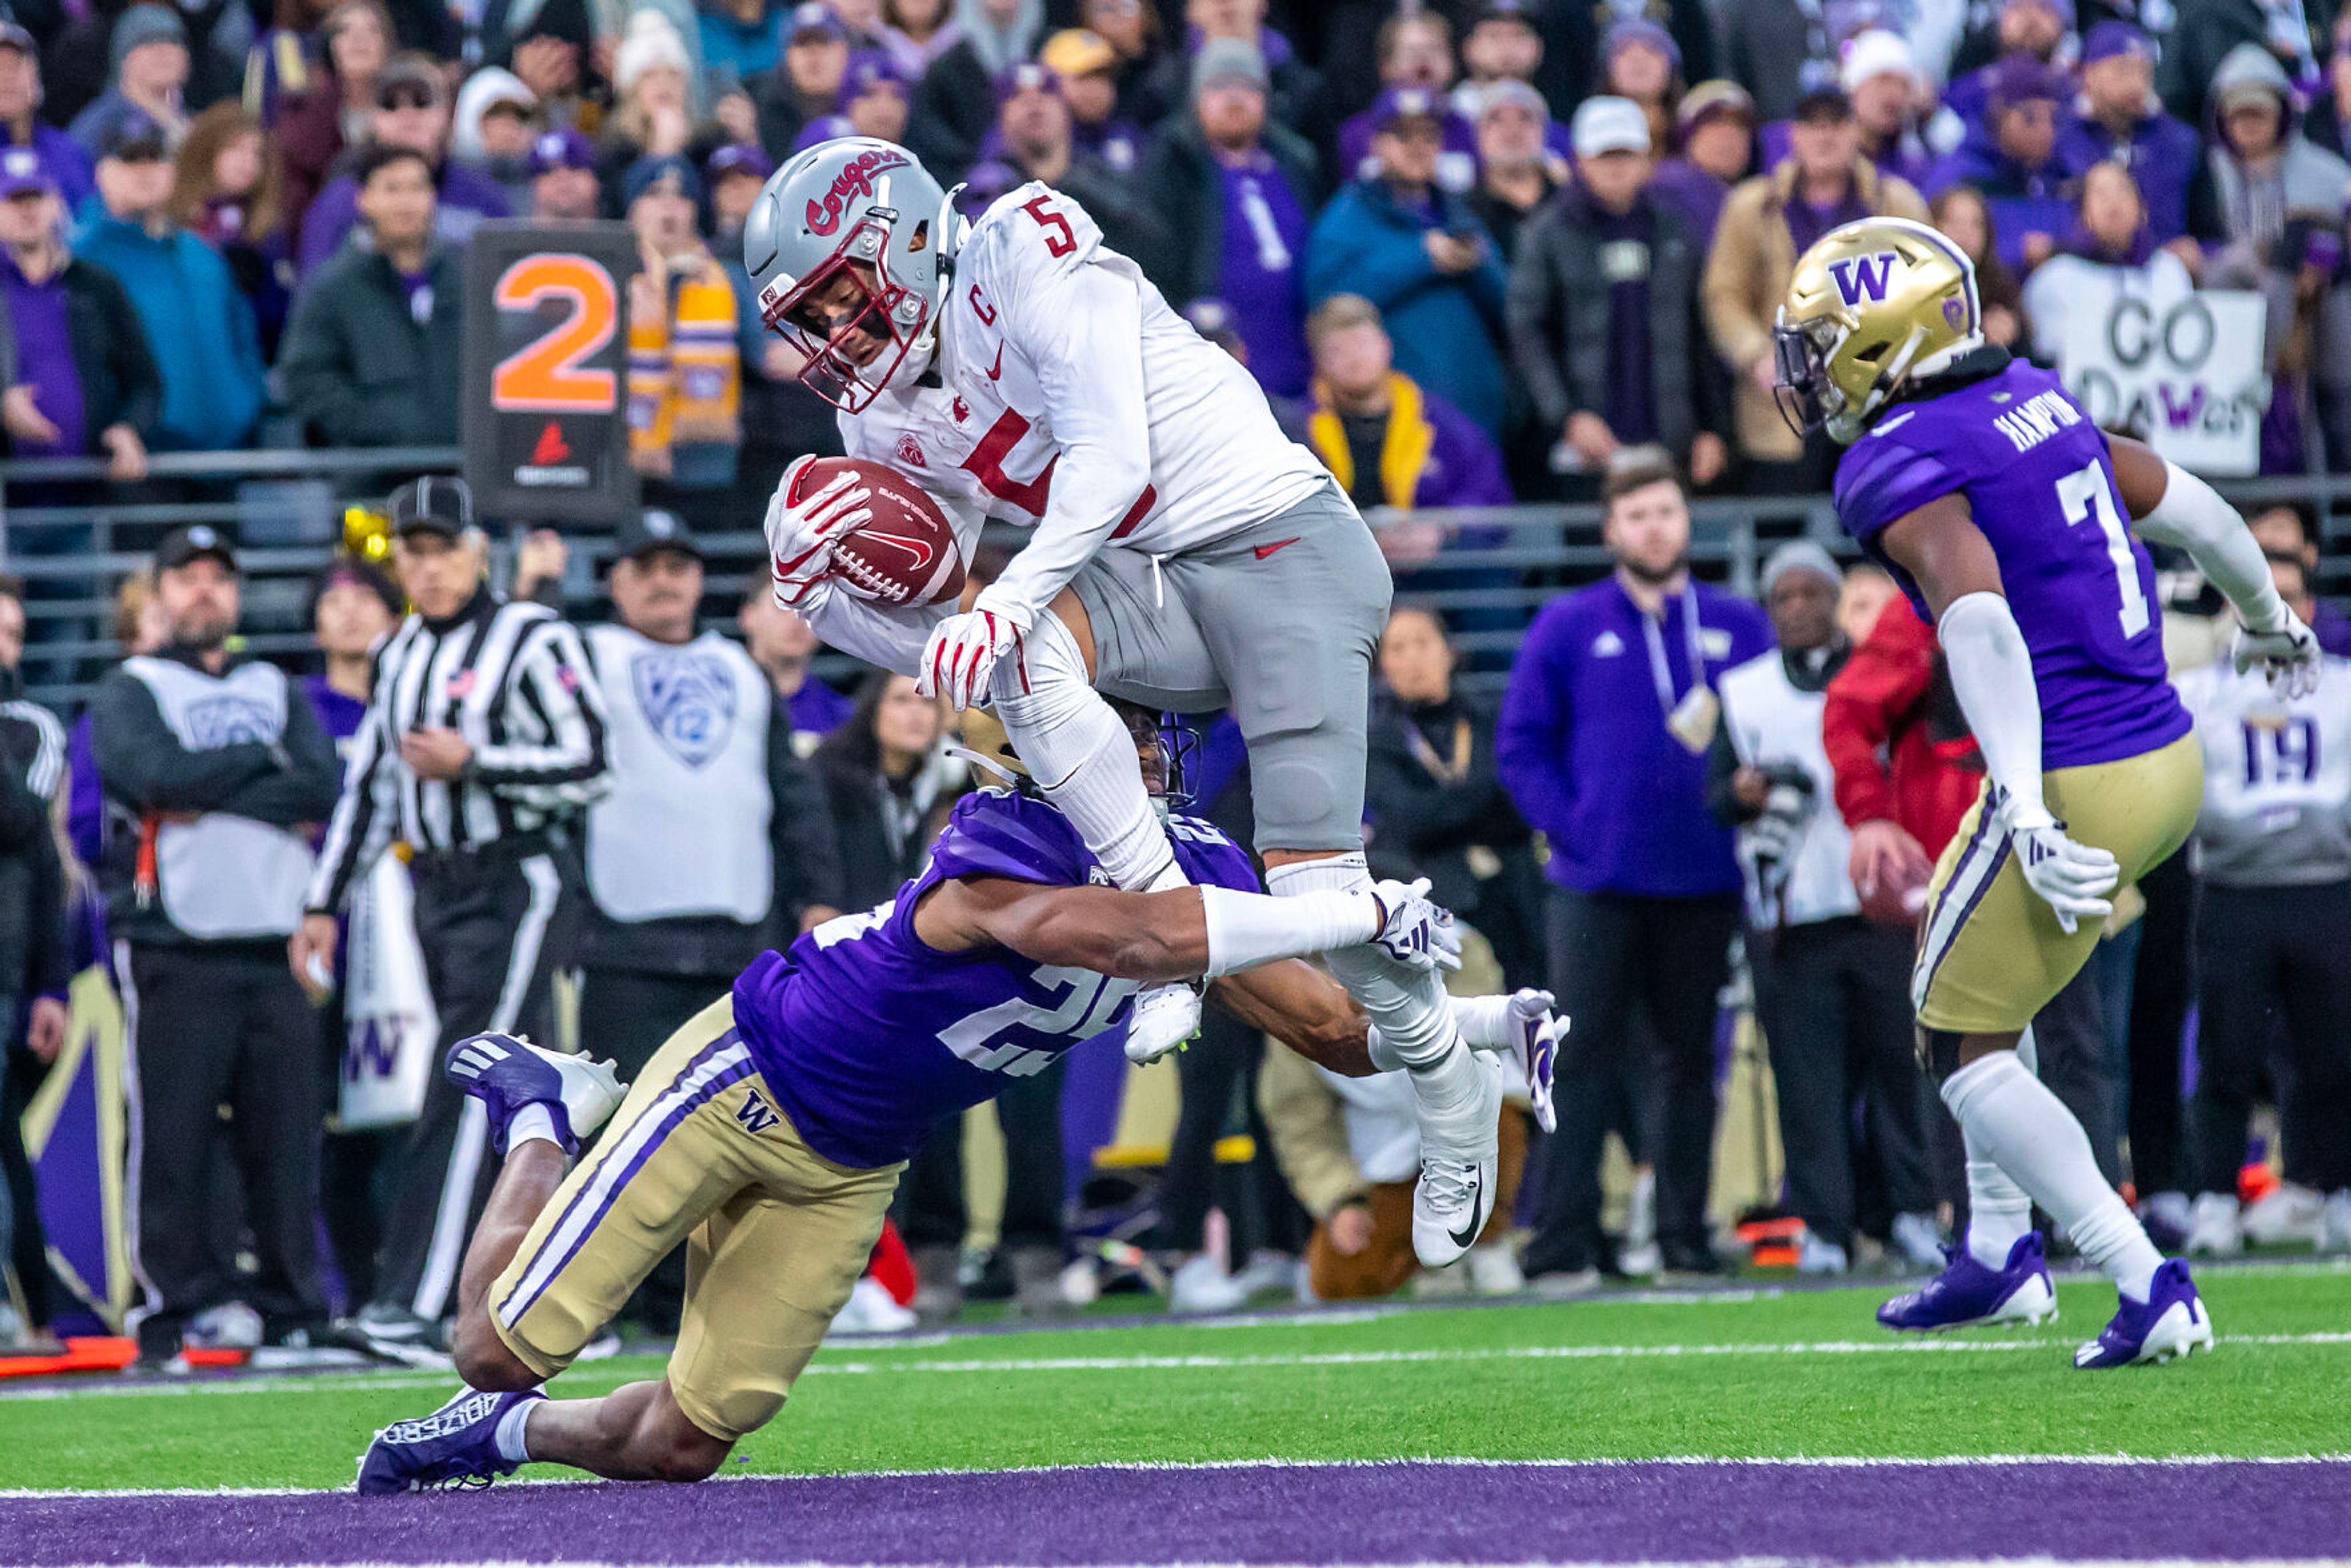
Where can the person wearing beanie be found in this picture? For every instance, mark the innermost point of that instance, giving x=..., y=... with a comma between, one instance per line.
x=1416, y=51
x=2042, y=30
x=1641, y=62
x=412, y=111
x=2016, y=162
x=147, y=63
x=496, y=123
x=1831, y=988
x=1519, y=163
x=1715, y=129
x=1575, y=52
x=872, y=103
x=2116, y=118
x=1212, y=171
x=652, y=113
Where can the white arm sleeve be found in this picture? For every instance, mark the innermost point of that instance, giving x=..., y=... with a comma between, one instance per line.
x=890, y=638
x=1991, y=674
x=1245, y=929
x=2192, y=517
x=1082, y=331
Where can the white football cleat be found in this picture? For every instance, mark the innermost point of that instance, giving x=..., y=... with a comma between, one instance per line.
x=1165, y=1018
x=2335, y=1224
x=1494, y=1270
x=2291, y=1213
x=1459, y=1147
x=2215, y=1228
x=1200, y=1288
x=872, y=1310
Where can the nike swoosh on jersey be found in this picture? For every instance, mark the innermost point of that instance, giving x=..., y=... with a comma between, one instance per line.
x=995, y=370
x=1266, y=552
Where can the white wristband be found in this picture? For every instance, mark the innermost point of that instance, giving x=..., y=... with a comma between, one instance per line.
x=1245, y=929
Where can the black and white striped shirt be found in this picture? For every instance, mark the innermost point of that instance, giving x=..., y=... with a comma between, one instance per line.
x=514, y=681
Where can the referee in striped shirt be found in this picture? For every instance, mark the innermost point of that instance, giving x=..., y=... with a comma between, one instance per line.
x=483, y=744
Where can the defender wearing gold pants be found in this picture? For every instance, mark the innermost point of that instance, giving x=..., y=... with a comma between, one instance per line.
x=1990, y=952
x=775, y=1235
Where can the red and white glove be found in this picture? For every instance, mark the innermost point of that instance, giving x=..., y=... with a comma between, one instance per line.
x=960, y=658
x=801, y=535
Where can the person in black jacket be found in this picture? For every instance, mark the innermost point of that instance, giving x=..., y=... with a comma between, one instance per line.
x=1604, y=309
x=1437, y=806
x=33, y=965
x=372, y=356
x=215, y=769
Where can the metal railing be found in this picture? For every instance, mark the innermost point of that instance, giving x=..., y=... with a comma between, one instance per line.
x=73, y=535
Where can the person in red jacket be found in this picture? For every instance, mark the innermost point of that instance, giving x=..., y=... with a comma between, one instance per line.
x=1906, y=771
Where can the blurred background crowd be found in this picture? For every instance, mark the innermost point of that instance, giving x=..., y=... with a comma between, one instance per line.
x=1477, y=255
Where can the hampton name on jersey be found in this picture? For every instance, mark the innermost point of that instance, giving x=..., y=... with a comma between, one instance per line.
x=870, y=1038
x=2038, y=480
x=1037, y=363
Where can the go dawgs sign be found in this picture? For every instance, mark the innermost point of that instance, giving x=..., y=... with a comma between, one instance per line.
x=855, y=179
x=2183, y=371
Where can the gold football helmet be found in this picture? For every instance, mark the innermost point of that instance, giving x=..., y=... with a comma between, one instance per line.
x=1871, y=305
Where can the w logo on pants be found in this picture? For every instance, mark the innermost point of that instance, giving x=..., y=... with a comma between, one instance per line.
x=1862, y=279
x=756, y=1114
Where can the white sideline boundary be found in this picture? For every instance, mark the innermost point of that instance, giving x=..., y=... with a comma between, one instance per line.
x=2327, y=1461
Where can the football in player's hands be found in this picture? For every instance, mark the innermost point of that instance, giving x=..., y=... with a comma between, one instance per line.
x=902, y=552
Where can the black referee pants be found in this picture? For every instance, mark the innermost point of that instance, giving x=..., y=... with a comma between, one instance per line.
x=494, y=926
x=1833, y=999
x=214, y=1027
x=2265, y=954
x=1613, y=955
x=931, y=1210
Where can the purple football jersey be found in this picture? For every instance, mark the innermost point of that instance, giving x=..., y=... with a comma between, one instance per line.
x=870, y=1038
x=2037, y=477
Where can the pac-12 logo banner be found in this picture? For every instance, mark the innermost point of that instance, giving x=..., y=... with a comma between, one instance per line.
x=688, y=699
x=1863, y=279
x=545, y=404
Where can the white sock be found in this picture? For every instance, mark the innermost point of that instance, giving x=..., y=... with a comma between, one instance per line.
x=531, y=1122
x=1999, y=1214
x=2011, y=1116
x=1414, y=1030
x=1084, y=758
x=512, y=1439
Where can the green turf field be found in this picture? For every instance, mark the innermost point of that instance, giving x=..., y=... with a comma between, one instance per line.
x=1738, y=1374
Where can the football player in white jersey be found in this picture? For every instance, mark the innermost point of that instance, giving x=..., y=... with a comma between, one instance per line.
x=1184, y=554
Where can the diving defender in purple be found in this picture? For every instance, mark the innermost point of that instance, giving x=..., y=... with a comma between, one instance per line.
x=2007, y=518
x=769, y=1134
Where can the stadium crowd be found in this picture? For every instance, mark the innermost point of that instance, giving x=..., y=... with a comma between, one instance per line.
x=1526, y=250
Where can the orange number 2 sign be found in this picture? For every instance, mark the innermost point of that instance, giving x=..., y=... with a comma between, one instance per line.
x=545, y=375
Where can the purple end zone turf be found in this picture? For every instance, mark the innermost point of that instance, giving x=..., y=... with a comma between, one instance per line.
x=1256, y=1513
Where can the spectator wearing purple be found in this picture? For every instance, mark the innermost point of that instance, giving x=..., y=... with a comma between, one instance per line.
x=1517, y=172
x=412, y=111
x=1034, y=134
x=1415, y=53
x=733, y=176
x=2117, y=119
x=2040, y=30
x=88, y=383
x=200, y=329
x=148, y=60
x=1237, y=193
x=1602, y=744
x=2015, y=161
x=1715, y=129
x=1880, y=77
x=2111, y=256
x=67, y=163
x=1088, y=67
x=1640, y=61
x=1604, y=326
x=872, y=103
x=954, y=105
x=563, y=184
x=1417, y=251
x=495, y=121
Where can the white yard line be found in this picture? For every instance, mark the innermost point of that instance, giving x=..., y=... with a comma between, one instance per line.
x=1185, y=1363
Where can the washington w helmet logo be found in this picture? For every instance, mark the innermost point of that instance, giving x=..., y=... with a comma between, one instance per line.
x=1862, y=279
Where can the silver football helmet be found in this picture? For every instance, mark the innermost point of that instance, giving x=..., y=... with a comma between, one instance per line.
x=850, y=247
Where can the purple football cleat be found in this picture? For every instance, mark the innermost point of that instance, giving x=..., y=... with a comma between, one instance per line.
x=456, y=1446
x=1966, y=1293
x=2171, y=1322
x=506, y=1073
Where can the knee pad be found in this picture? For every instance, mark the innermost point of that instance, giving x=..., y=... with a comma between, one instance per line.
x=1938, y=1053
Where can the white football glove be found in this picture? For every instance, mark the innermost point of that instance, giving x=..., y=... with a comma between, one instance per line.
x=1413, y=931
x=2288, y=656
x=801, y=536
x=960, y=658
x=2071, y=878
x=1523, y=1028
